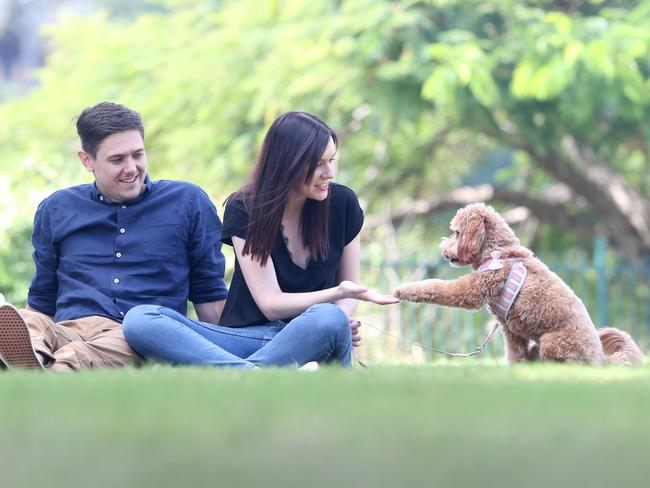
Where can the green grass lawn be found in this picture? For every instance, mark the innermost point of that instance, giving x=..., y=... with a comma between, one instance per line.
x=466, y=423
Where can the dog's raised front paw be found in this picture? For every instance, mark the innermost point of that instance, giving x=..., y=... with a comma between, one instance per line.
x=409, y=291
x=399, y=291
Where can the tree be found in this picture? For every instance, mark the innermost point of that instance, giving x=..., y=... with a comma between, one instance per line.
x=566, y=88
x=540, y=105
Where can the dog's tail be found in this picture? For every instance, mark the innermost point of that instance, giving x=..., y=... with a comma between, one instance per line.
x=619, y=347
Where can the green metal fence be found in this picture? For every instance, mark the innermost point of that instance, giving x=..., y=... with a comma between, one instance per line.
x=615, y=292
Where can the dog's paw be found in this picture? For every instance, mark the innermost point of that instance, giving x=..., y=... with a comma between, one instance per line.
x=426, y=291
x=406, y=291
x=399, y=291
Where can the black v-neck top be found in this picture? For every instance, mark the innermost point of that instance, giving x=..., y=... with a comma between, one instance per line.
x=345, y=222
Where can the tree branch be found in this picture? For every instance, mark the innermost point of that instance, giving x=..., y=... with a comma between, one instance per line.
x=551, y=208
x=622, y=211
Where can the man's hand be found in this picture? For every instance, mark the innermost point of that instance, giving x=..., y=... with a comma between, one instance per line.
x=209, y=311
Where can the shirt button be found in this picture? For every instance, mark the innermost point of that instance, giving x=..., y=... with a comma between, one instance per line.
x=118, y=254
x=101, y=198
x=121, y=313
x=123, y=206
x=116, y=280
x=122, y=230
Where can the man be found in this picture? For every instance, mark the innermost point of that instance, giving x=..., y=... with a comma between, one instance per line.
x=102, y=248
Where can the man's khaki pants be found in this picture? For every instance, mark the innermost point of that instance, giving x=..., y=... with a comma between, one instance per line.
x=88, y=342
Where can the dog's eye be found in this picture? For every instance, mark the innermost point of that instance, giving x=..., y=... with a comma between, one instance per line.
x=456, y=233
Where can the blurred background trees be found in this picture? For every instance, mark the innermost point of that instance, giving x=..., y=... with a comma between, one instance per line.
x=540, y=107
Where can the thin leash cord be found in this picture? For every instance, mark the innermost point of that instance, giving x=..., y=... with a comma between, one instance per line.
x=477, y=350
x=356, y=356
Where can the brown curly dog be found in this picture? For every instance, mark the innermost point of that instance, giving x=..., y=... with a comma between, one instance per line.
x=541, y=317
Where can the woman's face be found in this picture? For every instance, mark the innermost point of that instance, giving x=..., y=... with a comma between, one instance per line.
x=317, y=187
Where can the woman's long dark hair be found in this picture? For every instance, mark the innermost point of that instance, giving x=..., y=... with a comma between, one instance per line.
x=290, y=153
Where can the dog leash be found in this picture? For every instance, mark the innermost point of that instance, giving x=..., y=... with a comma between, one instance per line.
x=476, y=351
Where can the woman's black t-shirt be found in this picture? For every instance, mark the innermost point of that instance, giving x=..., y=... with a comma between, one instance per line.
x=345, y=222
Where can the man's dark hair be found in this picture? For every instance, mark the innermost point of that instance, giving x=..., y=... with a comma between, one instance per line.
x=96, y=123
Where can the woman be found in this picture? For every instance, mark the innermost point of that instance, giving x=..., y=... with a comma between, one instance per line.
x=294, y=290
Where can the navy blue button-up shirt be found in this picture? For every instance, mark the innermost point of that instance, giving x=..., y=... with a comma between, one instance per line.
x=98, y=258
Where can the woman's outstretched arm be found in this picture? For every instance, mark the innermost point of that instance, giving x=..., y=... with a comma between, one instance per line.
x=275, y=304
x=350, y=270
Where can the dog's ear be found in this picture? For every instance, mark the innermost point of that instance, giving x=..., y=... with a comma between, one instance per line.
x=471, y=240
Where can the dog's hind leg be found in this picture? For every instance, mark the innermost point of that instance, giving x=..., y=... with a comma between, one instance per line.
x=569, y=346
x=532, y=351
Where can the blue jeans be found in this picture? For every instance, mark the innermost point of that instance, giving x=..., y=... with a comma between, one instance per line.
x=321, y=333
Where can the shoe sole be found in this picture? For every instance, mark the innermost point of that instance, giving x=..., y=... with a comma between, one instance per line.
x=16, y=350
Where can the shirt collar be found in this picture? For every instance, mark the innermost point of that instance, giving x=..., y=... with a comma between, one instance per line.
x=98, y=196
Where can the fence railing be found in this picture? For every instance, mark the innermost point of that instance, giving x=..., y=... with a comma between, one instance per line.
x=615, y=292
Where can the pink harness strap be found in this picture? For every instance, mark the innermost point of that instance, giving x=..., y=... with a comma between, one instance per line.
x=502, y=304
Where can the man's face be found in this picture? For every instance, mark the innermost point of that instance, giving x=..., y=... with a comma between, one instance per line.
x=120, y=165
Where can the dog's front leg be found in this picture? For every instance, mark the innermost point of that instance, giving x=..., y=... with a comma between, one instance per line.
x=461, y=293
x=516, y=347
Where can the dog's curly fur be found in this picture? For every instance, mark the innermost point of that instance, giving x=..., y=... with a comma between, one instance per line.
x=547, y=320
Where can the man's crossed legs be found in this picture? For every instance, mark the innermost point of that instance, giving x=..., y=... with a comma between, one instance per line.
x=32, y=340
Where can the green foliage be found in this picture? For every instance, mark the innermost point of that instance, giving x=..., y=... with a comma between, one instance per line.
x=208, y=92
x=582, y=73
x=421, y=92
x=16, y=266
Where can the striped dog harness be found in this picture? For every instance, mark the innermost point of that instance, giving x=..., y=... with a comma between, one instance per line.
x=502, y=304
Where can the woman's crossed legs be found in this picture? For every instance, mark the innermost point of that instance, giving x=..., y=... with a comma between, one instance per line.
x=321, y=333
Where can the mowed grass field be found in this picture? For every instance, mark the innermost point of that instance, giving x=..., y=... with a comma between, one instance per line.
x=464, y=423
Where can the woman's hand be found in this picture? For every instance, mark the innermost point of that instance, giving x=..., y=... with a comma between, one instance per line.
x=349, y=289
x=355, y=325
